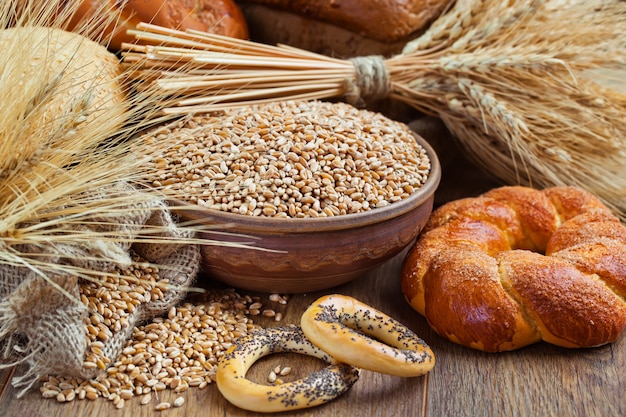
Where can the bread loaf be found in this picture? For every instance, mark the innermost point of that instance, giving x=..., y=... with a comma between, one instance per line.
x=274, y=26
x=222, y=17
x=383, y=20
x=65, y=82
x=515, y=266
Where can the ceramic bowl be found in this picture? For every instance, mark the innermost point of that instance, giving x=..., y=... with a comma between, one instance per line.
x=304, y=255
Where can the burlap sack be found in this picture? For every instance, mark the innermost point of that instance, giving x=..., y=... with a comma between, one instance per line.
x=42, y=319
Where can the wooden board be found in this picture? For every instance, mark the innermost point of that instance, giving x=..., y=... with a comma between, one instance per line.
x=541, y=380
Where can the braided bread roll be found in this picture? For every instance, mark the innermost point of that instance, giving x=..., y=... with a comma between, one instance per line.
x=515, y=266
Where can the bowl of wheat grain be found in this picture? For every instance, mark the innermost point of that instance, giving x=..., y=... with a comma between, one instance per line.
x=295, y=196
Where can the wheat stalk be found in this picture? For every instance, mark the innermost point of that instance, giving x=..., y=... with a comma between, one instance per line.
x=71, y=177
x=517, y=82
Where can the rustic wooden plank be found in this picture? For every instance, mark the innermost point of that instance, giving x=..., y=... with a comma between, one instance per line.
x=5, y=378
x=369, y=396
x=540, y=380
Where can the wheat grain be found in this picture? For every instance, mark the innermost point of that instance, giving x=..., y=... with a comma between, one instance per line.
x=298, y=159
x=174, y=352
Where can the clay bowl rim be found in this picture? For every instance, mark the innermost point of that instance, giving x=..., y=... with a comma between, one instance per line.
x=272, y=225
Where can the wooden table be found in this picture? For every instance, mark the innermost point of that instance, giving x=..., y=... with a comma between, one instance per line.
x=540, y=380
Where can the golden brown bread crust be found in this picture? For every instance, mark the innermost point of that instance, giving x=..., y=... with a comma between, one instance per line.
x=384, y=20
x=585, y=228
x=571, y=202
x=569, y=308
x=607, y=259
x=537, y=216
x=82, y=80
x=221, y=17
x=275, y=26
x=471, y=304
x=481, y=209
x=517, y=265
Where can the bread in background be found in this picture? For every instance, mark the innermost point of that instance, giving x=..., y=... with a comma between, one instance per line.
x=221, y=17
x=342, y=28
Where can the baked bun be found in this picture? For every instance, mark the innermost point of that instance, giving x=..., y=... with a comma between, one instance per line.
x=275, y=26
x=221, y=17
x=66, y=83
x=383, y=20
x=515, y=266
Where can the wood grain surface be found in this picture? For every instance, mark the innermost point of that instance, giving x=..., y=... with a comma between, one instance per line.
x=539, y=380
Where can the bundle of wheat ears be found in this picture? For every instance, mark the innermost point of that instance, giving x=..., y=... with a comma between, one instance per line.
x=517, y=82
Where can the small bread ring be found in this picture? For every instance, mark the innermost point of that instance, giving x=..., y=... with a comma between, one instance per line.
x=339, y=325
x=317, y=388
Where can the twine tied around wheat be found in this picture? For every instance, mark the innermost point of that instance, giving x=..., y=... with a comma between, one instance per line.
x=371, y=81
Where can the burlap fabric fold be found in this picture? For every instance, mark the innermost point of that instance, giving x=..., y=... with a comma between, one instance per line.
x=48, y=316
